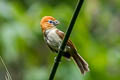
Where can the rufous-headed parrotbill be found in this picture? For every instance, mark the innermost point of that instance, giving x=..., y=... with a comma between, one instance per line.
x=54, y=38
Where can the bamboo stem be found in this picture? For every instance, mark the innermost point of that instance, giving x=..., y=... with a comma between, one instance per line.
x=69, y=30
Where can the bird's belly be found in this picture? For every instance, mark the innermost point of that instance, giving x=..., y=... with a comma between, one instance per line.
x=54, y=40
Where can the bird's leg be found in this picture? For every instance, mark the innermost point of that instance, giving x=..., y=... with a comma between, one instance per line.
x=55, y=59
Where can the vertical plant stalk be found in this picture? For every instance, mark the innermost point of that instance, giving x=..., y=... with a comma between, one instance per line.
x=7, y=76
x=69, y=30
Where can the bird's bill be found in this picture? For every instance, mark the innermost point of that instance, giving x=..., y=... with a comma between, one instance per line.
x=56, y=22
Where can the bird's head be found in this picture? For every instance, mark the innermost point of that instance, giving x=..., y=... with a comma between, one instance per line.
x=48, y=22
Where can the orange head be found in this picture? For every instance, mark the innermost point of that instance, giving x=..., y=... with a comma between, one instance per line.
x=48, y=22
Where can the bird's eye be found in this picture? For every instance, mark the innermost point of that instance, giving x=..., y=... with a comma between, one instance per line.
x=50, y=21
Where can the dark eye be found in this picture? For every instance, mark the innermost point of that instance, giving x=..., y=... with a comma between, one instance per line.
x=50, y=21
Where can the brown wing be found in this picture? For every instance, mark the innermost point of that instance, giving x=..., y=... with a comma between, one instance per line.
x=69, y=43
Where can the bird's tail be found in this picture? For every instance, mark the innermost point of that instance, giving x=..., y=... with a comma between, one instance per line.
x=82, y=64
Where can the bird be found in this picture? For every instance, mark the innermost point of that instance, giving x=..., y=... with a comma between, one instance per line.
x=54, y=37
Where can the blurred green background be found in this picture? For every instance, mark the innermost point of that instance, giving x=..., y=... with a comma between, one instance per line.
x=96, y=35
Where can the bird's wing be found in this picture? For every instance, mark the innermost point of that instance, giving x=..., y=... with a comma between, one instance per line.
x=69, y=42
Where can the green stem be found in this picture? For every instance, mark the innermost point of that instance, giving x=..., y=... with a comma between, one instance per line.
x=69, y=30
